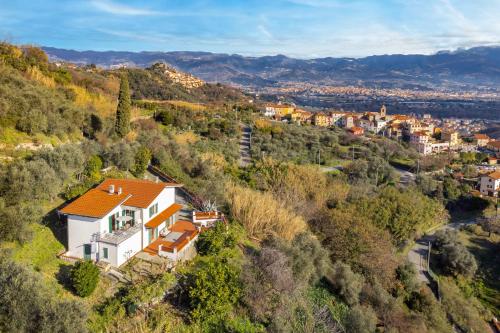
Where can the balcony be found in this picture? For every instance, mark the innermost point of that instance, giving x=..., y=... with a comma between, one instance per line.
x=176, y=243
x=124, y=233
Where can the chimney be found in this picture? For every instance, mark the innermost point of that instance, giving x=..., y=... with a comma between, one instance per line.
x=157, y=179
x=111, y=189
x=119, y=190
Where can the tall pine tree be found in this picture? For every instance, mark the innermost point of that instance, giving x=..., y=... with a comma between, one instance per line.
x=122, y=125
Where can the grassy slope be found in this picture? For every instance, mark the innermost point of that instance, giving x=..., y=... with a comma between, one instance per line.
x=485, y=249
x=40, y=253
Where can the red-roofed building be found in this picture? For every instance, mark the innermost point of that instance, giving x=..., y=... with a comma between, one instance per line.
x=356, y=131
x=494, y=146
x=481, y=140
x=490, y=184
x=121, y=217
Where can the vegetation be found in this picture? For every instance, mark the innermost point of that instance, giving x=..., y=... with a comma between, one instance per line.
x=84, y=278
x=27, y=305
x=261, y=215
x=122, y=125
x=305, y=249
x=213, y=241
x=455, y=257
x=214, y=290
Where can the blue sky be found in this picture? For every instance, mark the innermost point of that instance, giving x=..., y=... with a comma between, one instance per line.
x=299, y=28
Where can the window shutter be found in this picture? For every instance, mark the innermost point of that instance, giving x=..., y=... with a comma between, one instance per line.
x=110, y=224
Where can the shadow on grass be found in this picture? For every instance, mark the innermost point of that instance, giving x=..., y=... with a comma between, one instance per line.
x=63, y=276
x=57, y=226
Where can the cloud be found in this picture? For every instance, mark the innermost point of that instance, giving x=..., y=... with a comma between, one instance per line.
x=265, y=32
x=318, y=3
x=119, y=9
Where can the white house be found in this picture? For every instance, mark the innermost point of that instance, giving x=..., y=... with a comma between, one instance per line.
x=121, y=217
x=269, y=111
x=490, y=184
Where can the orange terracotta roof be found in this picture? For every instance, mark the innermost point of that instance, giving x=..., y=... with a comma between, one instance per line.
x=495, y=175
x=189, y=232
x=163, y=216
x=401, y=117
x=143, y=191
x=207, y=215
x=182, y=226
x=356, y=129
x=98, y=202
x=495, y=144
x=95, y=203
x=481, y=137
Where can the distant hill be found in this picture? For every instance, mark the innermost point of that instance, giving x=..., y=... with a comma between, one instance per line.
x=475, y=68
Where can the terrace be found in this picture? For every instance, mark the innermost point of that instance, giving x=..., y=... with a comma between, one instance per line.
x=174, y=243
x=118, y=236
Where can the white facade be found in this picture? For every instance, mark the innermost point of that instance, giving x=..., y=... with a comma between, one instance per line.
x=489, y=185
x=269, y=111
x=93, y=238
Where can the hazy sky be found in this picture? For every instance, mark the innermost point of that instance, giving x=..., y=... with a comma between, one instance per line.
x=300, y=28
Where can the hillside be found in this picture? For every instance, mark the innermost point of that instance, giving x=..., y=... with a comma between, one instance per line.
x=462, y=69
x=302, y=248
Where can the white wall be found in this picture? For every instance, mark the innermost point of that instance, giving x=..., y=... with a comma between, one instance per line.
x=132, y=244
x=180, y=255
x=165, y=199
x=488, y=184
x=81, y=229
x=112, y=253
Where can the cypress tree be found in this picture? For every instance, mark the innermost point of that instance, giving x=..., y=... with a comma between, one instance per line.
x=122, y=125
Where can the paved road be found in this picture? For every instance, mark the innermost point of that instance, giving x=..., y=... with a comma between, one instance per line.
x=405, y=177
x=419, y=252
x=245, y=158
x=418, y=256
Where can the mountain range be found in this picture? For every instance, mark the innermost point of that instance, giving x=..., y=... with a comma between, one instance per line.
x=475, y=68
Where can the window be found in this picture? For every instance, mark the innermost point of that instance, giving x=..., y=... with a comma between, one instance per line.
x=110, y=224
x=105, y=252
x=153, y=209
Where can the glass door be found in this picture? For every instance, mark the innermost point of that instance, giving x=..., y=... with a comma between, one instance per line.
x=87, y=251
x=150, y=235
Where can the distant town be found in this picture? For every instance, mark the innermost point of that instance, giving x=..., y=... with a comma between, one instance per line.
x=426, y=134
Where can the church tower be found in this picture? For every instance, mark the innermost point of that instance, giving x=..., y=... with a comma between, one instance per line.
x=383, y=111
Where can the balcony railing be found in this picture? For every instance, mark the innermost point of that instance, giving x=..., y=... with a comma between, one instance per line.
x=118, y=236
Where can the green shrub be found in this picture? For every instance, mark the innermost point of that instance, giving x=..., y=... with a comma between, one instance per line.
x=458, y=260
x=360, y=319
x=347, y=283
x=27, y=304
x=406, y=274
x=213, y=291
x=84, y=278
x=142, y=159
x=214, y=240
